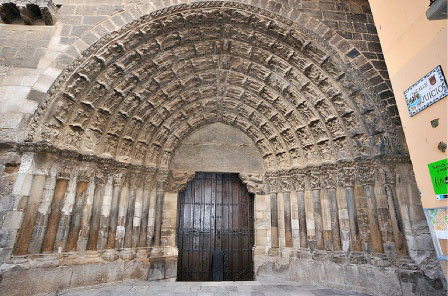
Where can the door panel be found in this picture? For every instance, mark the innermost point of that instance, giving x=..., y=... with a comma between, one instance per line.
x=215, y=212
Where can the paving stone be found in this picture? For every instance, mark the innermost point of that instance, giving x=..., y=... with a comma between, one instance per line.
x=136, y=288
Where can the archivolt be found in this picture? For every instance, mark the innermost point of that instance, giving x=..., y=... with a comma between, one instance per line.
x=149, y=85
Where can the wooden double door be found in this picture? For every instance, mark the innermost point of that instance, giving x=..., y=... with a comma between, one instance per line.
x=216, y=213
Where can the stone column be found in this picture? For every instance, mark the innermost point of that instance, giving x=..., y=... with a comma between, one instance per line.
x=40, y=226
x=118, y=180
x=326, y=215
x=346, y=180
x=160, y=200
x=14, y=210
x=294, y=221
x=281, y=221
x=315, y=183
x=397, y=188
x=60, y=191
x=273, y=188
x=385, y=179
x=309, y=214
x=29, y=216
x=362, y=211
x=299, y=185
x=147, y=185
x=66, y=212
x=177, y=182
x=367, y=177
x=133, y=182
x=122, y=212
x=106, y=208
x=274, y=221
x=137, y=219
x=86, y=214
x=333, y=209
x=80, y=200
x=287, y=219
x=151, y=216
x=100, y=180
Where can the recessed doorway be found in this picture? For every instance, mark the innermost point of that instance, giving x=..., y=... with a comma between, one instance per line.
x=216, y=217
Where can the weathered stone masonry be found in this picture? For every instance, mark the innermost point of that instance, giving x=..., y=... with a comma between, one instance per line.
x=91, y=193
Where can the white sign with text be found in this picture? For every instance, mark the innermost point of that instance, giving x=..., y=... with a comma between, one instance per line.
x=425, y=92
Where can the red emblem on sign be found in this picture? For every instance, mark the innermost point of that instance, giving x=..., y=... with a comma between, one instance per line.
x=432, y=80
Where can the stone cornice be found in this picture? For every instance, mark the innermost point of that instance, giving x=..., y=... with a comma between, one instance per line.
x=75, y=155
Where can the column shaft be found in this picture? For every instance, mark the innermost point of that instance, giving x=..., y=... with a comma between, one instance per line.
x=29, y=216
x=334, y=211
x=375, y=235
x=302, y=219
x=40, y=225
x=75, y=223
x=274, y=221
x=48, y=243
x=106, y=206
x=95, y=219
x=114, y=216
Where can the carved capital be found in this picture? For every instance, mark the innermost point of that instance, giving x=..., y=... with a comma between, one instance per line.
x=346, y=177
x=65, y=170
x=274, y=183
x=85, y=174
x=148, y=181
x=298, y=181
x=366, y=174
x=177, y=181
x=135, y=180
x=161, y=180
x=386, y=175
x=329, y=179
x=100, y=176
x=286, y=184
x=315, y=181
x=119, y=177
x=254, y=183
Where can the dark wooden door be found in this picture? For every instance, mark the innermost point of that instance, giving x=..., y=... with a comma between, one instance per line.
x=215, y=212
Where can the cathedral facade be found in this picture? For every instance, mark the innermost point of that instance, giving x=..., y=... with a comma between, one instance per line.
x=139, y=138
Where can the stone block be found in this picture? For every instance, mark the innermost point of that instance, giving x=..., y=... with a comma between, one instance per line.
x=156, y=270
x=171, y=269
x=12, y=220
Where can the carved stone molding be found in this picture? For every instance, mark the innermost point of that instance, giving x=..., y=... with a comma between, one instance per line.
x=28, y=10
x=319, y=127
x=178, y=180
x=254, y=182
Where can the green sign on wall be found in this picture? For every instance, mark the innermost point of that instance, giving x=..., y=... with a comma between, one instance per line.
x=439, y=176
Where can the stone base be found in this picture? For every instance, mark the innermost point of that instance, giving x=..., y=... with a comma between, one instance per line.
x=365, y=276
x=21, y=280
